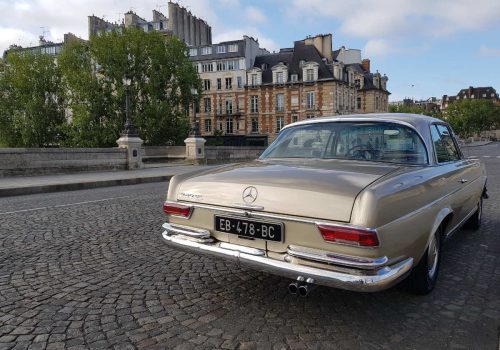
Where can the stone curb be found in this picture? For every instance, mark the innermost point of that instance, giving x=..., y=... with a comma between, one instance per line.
x=18, y=191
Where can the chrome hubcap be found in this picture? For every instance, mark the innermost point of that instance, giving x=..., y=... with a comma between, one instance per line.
x=432, y=257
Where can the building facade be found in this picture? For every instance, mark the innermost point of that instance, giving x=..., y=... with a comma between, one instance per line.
x=222, y=69
x=182, y=23
x=488, y=93
x=256, y=100
x=44, y=46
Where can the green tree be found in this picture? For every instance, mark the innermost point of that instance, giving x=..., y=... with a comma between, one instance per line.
x=473, y=116
x=162, y=77
x=31, y=108
x=414, y=109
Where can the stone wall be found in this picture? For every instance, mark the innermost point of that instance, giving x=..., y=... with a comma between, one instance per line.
x=223, y=154
x=39, y=161
x=164, y=154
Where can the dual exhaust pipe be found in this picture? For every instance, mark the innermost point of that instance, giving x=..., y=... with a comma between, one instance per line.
x=301, y=287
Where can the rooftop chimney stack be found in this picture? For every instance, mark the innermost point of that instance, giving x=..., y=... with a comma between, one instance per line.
x=366, y=65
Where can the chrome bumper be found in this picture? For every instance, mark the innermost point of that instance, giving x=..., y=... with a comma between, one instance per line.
x=361, y=280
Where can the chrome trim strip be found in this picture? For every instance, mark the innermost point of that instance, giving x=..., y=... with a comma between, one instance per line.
x=242, y=249
x=368, y=281
x=249, y=213
x=186, y=230
x=248, y=206
x=460, y=224
x=337, y=259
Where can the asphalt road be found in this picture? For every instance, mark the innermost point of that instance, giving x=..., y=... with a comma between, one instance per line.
x=87, y=269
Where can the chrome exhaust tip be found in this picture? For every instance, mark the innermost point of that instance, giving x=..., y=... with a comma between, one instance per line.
x=293, y=288
x=303, y=290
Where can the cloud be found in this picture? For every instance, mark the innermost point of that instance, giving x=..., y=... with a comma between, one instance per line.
x=396, y=18
x=253, y=14
x=377, y=47
x=10, y=36
x=485, y=51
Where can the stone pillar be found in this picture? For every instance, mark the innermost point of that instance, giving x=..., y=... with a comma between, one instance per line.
x=195, y=150
x=133, y=144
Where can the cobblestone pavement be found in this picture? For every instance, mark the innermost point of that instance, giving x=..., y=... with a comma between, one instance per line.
x=87, y=269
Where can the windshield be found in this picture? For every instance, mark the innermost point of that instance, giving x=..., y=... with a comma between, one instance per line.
x=371, y=141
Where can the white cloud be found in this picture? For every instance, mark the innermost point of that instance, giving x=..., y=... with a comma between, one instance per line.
x=11, y=36
x=395, y=18
x=485, y=51
x=377, y=47
x=253, y=14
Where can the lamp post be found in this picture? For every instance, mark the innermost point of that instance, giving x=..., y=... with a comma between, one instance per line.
x=129, y=128
x=195, y=127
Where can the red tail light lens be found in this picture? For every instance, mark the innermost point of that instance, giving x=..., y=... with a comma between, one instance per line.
x=349, y=235
x=177, y=209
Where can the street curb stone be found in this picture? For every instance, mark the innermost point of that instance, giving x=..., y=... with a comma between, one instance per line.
x=18, y=191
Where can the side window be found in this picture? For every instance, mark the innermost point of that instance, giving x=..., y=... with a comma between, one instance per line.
x=446, y=151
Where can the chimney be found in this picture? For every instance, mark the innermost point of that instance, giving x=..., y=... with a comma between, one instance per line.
x=366, y=65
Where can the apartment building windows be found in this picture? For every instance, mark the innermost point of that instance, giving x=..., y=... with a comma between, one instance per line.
x=229, y=83
x=229, y=125
x=254, y=79
x=193, y=52
x=208, y=125
x=206, y=84
x=229, y=107
x=207, y=104
x=228, y=65
x=232, y=48
x=255, y=125
x=207, y=67
x=309, y=74
x=294, y=78
x=358, y=103
x=280, y=102
x=207, y=50
x=310, y=116
x=295, y=118
x=219, y=84
x=221, y=49
x=280, y=122
x=239, y=81
x=310, y=100
x=279, y=78
x=254, y=104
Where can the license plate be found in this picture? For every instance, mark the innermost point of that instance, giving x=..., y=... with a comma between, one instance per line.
x=250, y=228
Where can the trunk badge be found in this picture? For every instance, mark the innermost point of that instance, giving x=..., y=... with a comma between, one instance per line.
x=250, y=194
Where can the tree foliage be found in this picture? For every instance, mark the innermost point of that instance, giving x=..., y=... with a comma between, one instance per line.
x=79, y=100
x=162, y=77
x=473, y=116
x=31, y=102
x=415, y=109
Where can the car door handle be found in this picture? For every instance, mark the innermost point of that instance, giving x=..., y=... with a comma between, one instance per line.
x=462, y=181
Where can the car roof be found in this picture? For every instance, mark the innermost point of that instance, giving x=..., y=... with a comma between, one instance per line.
x=418, y=121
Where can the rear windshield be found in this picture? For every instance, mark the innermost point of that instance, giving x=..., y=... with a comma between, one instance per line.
x=370, y=141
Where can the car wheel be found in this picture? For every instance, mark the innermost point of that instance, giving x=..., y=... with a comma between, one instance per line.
x=474, y=221
x=423, y=277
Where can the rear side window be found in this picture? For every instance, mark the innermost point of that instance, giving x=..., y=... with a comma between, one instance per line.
x=446, y=150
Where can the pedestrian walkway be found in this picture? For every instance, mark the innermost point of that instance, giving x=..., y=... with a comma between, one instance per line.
x=19, y=185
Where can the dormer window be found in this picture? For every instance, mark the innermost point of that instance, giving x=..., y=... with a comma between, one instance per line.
x=193, y=52
x=294, y=78
x=279, y=78
x=232, y=48
x=263, y=66
x=221, y=49
x=309, y=74
x=207, y=50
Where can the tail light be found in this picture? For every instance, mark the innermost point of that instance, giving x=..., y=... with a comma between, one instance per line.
x=349, y=235
x=177, y=209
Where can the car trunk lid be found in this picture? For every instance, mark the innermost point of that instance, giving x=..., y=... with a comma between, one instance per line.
x=320, y=189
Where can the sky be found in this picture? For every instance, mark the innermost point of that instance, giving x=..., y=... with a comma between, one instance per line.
x=426, y=47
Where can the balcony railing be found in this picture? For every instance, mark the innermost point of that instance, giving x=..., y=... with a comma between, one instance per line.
x=236, y=112
x=280, y=109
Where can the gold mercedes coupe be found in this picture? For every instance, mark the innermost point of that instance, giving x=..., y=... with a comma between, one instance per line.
x=358, y=202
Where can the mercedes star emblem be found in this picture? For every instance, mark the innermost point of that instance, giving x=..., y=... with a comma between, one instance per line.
x=250, y=195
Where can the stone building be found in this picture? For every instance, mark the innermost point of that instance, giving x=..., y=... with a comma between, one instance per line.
x=306, y=81
x=180, y=22
x=471, y=92
x=222, y=68
x=44, y=46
